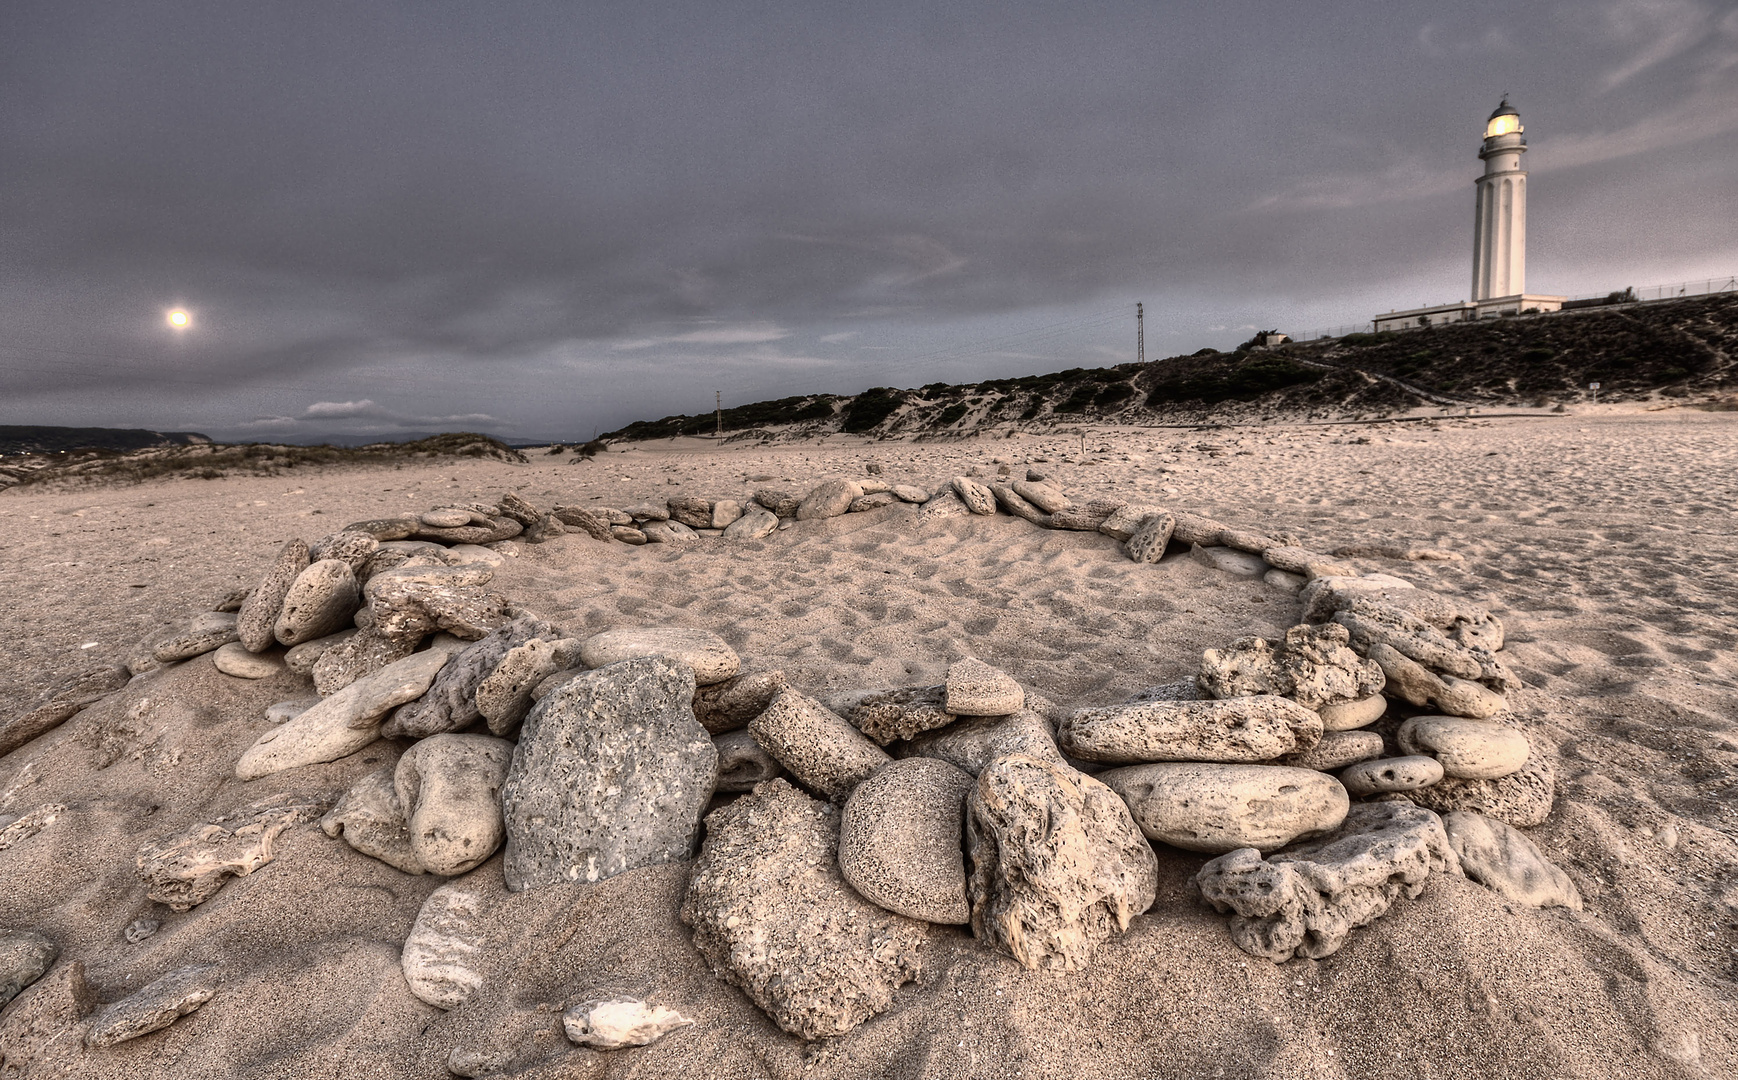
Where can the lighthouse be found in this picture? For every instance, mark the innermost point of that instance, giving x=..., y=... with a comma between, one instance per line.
x=1499, y=238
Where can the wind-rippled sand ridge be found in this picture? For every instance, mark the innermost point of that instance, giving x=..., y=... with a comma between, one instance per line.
x=1606, y=542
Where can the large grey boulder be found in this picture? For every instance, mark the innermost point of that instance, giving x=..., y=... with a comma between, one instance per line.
x=1503, y=860
x=319, y=602
x=1058, y=865
x=974, y=742
x=24, y=956
x=155, y=1005
x=451, y=701
x=1238, y=729
x=1219, y=808
x=816, y=745
x=450, y=789
x=900, y=839
x=1312, y=665
x=256, y=622
x=773, y=915
x=347, y=721
x=707, y=655
x=612, y=772
x=1308, y=899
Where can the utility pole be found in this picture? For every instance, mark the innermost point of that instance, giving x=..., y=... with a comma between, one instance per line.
x=718, y=409
x=1140, y=334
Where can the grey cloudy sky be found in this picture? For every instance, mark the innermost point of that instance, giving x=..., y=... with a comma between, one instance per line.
x=545, y=219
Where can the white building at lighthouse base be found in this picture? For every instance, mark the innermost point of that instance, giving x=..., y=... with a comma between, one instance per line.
x=1468, y=310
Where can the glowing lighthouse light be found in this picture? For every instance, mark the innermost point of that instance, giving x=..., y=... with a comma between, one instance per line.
x=179, y=319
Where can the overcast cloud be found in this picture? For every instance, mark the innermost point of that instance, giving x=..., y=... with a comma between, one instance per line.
x=548, y=219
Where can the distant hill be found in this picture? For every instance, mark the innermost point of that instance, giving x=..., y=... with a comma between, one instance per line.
x=41, y=439
x=1673, y=350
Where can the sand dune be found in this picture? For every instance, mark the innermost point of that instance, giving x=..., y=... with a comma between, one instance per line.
x=1606, y=542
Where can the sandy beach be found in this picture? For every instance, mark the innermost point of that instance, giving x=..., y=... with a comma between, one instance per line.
x=1605, y=540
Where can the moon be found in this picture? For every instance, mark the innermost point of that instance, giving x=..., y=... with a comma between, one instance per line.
x=179, y=319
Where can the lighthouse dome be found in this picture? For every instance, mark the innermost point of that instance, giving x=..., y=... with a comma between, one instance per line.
x=1504, y=121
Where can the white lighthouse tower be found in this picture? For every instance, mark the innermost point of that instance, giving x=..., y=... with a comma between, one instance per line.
x=1499, y=246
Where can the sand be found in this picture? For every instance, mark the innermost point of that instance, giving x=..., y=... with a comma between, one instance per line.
x=1606, y=542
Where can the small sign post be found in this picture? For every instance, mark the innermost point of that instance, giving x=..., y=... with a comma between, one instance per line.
x=1593, y=386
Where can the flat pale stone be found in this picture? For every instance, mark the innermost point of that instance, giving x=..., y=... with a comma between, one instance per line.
x=257, y=619
x=1042, y=495
x=302, y=658
x=1463, y=697
x=756, y=523
x=188, y=868
x=437, y=957
x=1219, y=808
x=1231, y=730
x=345, y=722
x=234, y=659
x=319, y=602
x=1286, y=580
x=1229, y=560
x=1523, y=798
x=974, y=688
x=709, y=656
x=1502, y=859
x=910, y=494
x=1468, y=749
x=468, y=554
x=1394, y=774
x=155, y=1005
x=207, y=631
x=976, y=497
x=900, y=840
x=1350, y=715
x=619, y=1022
x=25, y=956
x=974, y=742
x=725, y=512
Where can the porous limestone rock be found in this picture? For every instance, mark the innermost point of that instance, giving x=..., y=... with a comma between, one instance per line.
x=619, y=1022
x=816, y=745
x=584, y=519
x=348, y=720
x=781, y=503
x=256, y=622
x=1013, y=503
x=975, y=496
x=1193, y=529
x=973, y=743
x=1311, y=665
x=742, y=762
x=451, y=701
x=1417, y=639
x=1042, y=495
x=629, y=536
x=731, y=704
x=1308, y=899
x=773, y=915
x=319, y=602
x=668, y=532
x=871, y=501
x=1219, y=808
x=1502, y=859
x=1463, y=622
x=901, y=713
x=1384, y=775
x=707, y=655
x=347, y=545
x=155, y=1005
x=1147, y=543
x=60, y=702
x=1058, y=865
x=503, y=697
x=1351, y=715
x=1229, y=560
x=756, y=523
x=900, y=837
x=437, y=958
x=1123, y=521
x=1232, y=730
x=612, y=772
x=186, y=869
x=829, y=499
x=371, y=820
x=24, y=957
x=1463, y=697
x=1523, y=798
x=413, y=602
x=1337, y=750
x=386, y=529
x=944, y=504
x=974, y=688
x=1086, y=518
x=909, y=493
x=205, y=632
x=357, y=656
x=725, y=512
x=692, y=511
x=302, y=658
x=1468, y=749
x=450, y=789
